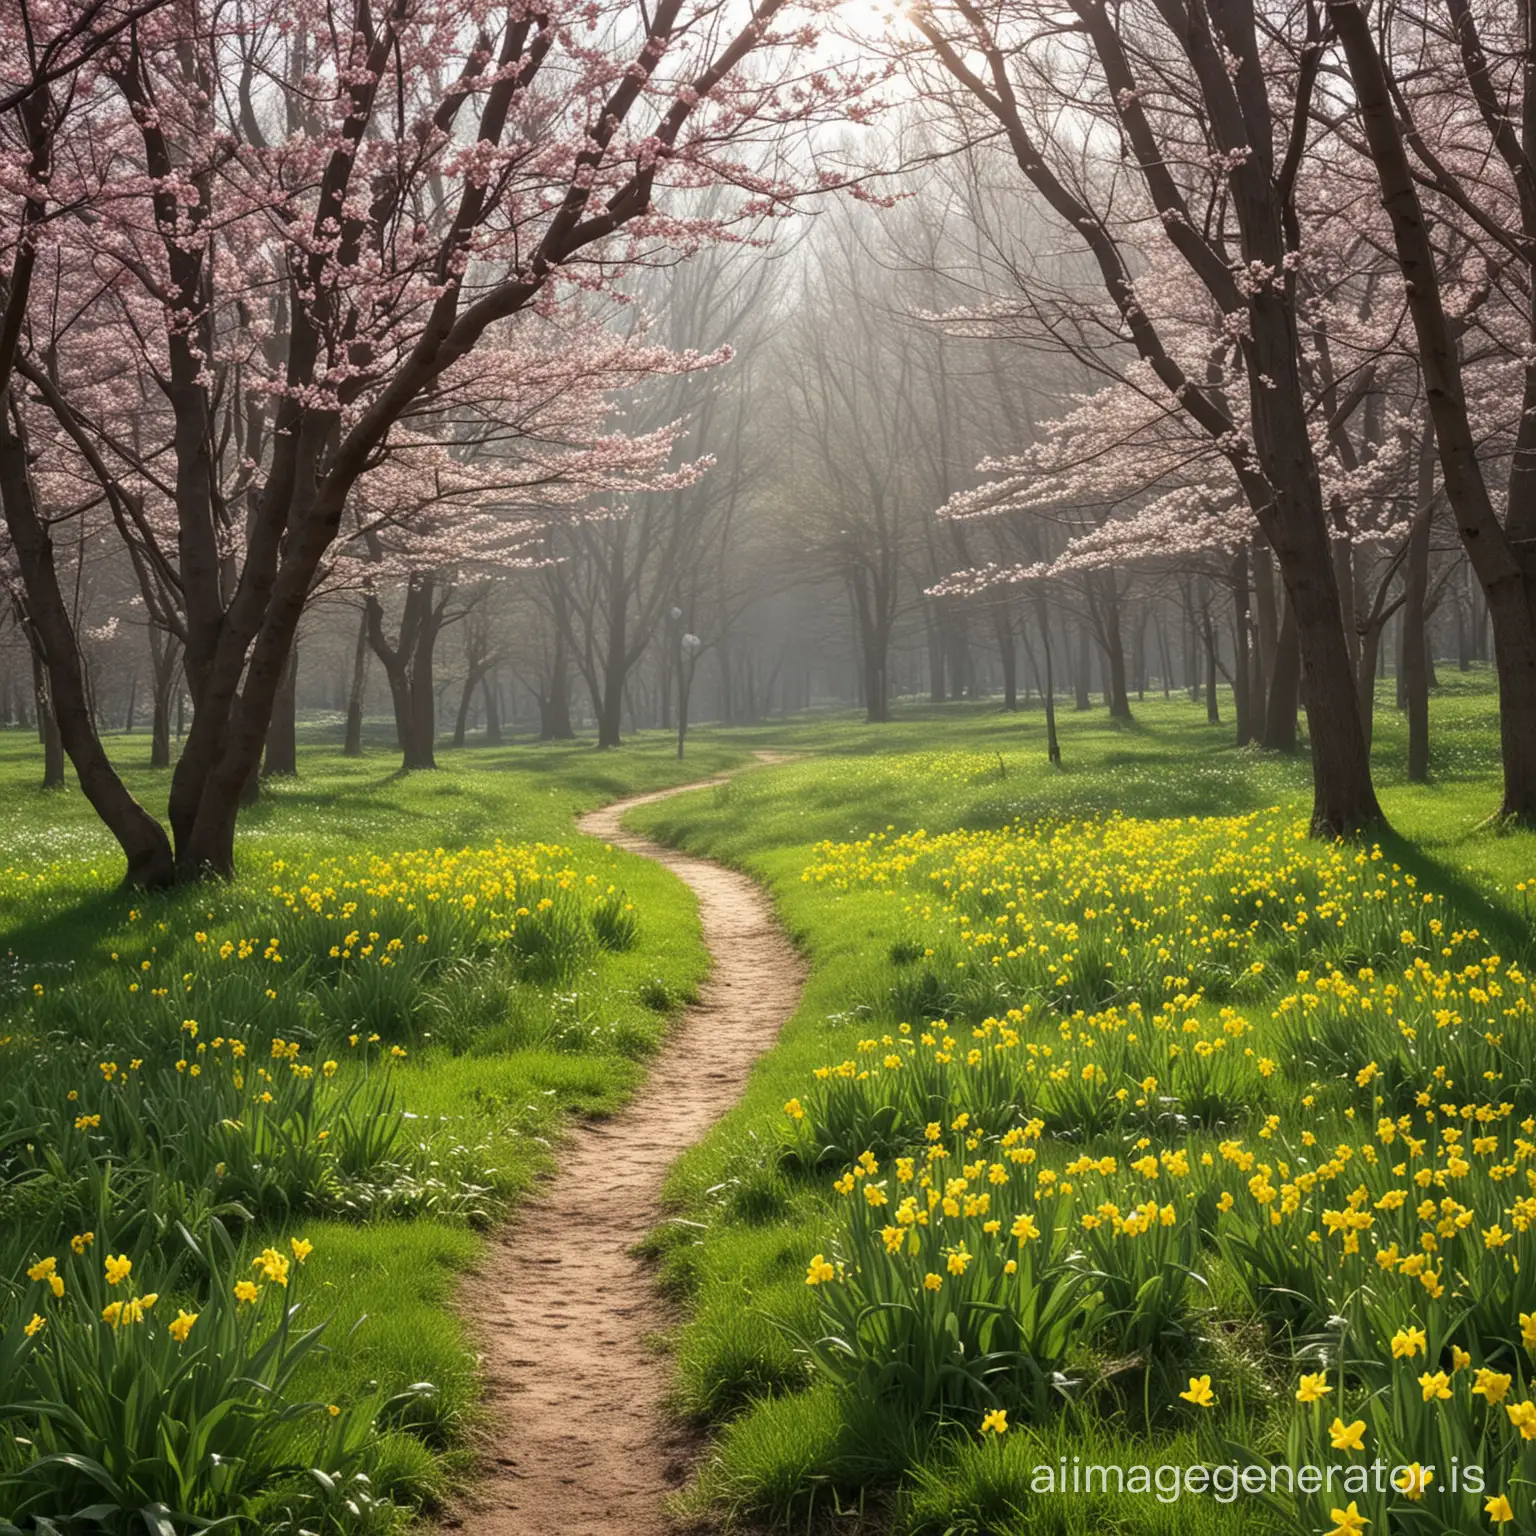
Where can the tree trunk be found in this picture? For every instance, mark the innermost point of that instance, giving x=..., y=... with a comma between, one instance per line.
x=685, y=666
x=874, y=632
x=1400, y=691
x=165, y=669
x=1117, y=696
x=1081, y=700
x=408, y=666
x=1008, y=655
x=610, y=713
x=472, y=680
x=1415, y=600
x=160, y=732
x=461, y=715
x=1344, y=580
x=1242, y=679
x=877, y=700
x=1344, y=799
x=1510, y=606
x=1208, y=634
x=421, y=750
x=555, y=708
x=937, y=693
x=47, y=728
x=1285, y=679
x=1047, y=684
x=728, y=707
x=1191, y=645
x=352, y=742
x=139, y=835
x=282, y=751
x=614, y=668
x=1266, y=619
x=250, y=794
x=955, y=635
x=1370, y=659
x=490, y=698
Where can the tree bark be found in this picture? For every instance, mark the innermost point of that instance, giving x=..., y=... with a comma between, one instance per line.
x=408, y=666
x=1370, y=659
x=352, y=741
x=1008, y=655
x=1166, y=655
x=250, y=794
x=461, y=716
x=1242, y=678
x=478, y=670
x=281, y=758
x=165, y=667
x=490, y=698
x=1280, y=708
x=954, y=633
x=555, y=706
x=1118, y=699
x=871, y=615
x=1081, y=700
x=1047, y=683
x=1266, y=618
x=729, y=708
x=47, y=727
x=139, y=835
x=1208, y=634
x=1415, y=674
x=610, y=712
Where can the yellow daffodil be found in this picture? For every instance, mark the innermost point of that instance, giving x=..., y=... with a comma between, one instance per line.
x=1348, y=1521
x=819, y=1271
x=1347, y=1437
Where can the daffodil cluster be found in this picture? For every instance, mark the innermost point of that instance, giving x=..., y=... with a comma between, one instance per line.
x=164, y=1379
x=1190, y=1078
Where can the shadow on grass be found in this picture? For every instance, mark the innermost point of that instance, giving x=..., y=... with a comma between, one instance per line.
x=66, y=933
x=1471, y=905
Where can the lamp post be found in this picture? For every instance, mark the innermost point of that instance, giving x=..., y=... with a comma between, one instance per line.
x=688, y=648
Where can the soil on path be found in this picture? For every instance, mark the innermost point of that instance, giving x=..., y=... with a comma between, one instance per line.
x=580, y=1442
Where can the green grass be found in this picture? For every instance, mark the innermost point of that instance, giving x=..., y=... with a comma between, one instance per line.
x=488, y=1105
x=336, y=805
x=788, y=1447
x=497, y=1057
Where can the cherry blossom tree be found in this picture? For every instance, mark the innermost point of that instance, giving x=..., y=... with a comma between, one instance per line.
x=1151, y=125
x=308, y=221
x=1446, y=116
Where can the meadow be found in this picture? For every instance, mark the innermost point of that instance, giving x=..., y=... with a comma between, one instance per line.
x=249, y=1133
x=1121, y=1125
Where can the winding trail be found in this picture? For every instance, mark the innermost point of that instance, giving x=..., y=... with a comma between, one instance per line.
x=580, y=1443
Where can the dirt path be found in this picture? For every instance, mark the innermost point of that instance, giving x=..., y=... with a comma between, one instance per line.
x=582, y=1444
